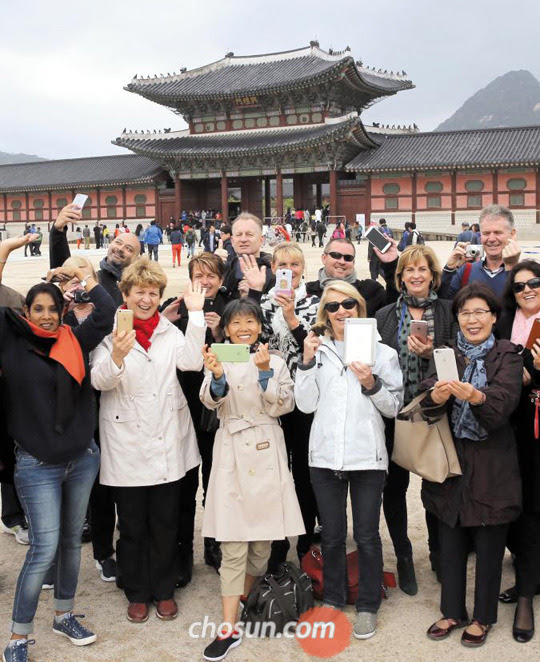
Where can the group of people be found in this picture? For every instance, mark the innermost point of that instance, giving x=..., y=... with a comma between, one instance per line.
x=282, y=436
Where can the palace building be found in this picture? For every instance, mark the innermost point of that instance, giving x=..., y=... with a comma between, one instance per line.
x=264, y=129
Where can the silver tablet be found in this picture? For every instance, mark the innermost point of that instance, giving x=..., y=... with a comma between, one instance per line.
x=360, y=340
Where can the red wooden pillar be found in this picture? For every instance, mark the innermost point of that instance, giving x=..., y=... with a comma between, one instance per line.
x=537, y=195
x=177, y=197
x=298, y=191
x=157, y=210
x=495, y=186
x=453, y=196
x=98, y=200
x=225, y=199
x=267, y=198
x=124, y=206
x=279, y=194
x=414, y=197
x=333, y=193
x=318, y=196
x=49, y=203
x=368, y=201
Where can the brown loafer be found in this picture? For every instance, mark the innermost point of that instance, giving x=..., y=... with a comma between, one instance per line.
x=475, y=640
x=137, y=612
x=167, y=610
x=437, y=633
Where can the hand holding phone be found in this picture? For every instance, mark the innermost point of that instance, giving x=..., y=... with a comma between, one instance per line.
x=80, y=200
x=445, y=363
x=231, y=353
x=378, y=239
x=124, y=320
x=284, y=285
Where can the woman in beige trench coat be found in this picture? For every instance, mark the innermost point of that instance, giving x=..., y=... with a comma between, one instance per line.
x=251, y=498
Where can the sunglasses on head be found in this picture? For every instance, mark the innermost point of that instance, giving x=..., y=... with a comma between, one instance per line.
x=339, y=256
x=534, y=284
x=333, y=306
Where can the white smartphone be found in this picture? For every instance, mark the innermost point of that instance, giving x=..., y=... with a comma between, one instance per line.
x=378, y=239
x=284, y=282
x=80, y=200
x=360, y=340
x=445, y=363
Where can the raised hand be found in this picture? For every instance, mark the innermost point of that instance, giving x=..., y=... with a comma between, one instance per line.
x=311, y=345
x=122, y=345
x=212, y=322
x=254, y=275
x=363, y=373
x=416, y=346
x=262, y=357
x=68, y=214
x=457, y=256
x=510, y=255
x=171, y=312
x=462, y=390
x=211, y=362
x=287, y=306
x=194, y=296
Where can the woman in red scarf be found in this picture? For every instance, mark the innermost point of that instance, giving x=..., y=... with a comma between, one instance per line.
x=48, y=407
x=148, y=441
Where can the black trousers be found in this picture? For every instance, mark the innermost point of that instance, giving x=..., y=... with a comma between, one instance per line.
x=12, y=512
x=526, y=536
x=489, y=542
x=102, y=520
x=188, y=490
x=331, y=489
x=146, y=549
x=296, y=428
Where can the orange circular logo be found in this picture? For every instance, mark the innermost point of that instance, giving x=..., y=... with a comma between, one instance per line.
x=323, y=632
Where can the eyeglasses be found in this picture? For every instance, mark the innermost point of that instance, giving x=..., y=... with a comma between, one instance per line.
x=479, y=314
x=533, y=284
x=333, y=306
x=339, y=256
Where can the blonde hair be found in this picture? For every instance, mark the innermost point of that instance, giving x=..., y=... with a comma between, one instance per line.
x=413, y=254
x=343, y=288
x=142, y=273
x=79, y=262
x=291, y=249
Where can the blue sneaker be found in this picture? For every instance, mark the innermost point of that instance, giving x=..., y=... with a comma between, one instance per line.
x=18, y=652
x=70, y=628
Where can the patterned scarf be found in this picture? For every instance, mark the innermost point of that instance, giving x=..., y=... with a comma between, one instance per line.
x=412, y=366
x=464, y=422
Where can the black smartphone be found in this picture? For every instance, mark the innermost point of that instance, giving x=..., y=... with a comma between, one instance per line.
x=209, y=305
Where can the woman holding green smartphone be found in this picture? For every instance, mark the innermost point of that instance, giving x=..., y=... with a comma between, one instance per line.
x=251, y=498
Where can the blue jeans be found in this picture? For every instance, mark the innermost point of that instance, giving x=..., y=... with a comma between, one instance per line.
x=331, y=489
x=54, y=498
x=152, y=251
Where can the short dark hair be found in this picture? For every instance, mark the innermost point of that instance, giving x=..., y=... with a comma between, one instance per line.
x=476, y=291
x=509, y=298
x=412, y=226
x=226, y=229
x=339, y=240
x=46, y=288
x=244, y=308
x=208, y=262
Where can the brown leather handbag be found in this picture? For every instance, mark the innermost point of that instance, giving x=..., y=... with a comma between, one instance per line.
x=424, y=444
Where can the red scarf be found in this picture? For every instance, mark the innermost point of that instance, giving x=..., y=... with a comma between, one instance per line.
x=144, y=329
x=66, y=350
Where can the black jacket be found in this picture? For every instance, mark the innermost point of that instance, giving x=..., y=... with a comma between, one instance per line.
x=227, y=245
x=59, y=252
x=373, y=293
x=489, y=491
x=30, y=388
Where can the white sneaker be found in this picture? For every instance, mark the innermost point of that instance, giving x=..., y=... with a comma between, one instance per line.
x=20, y=531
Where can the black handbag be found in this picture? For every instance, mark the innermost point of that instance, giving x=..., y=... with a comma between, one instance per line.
x=209, y=420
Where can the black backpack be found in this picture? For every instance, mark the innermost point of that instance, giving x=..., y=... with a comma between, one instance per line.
x=279, y=599
x=419, y=239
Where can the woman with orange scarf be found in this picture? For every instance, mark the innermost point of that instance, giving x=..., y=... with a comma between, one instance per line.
x=50, y=415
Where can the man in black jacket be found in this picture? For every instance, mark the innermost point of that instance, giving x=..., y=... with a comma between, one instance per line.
x=226, y=232
x=123, y=249
x=338, y=264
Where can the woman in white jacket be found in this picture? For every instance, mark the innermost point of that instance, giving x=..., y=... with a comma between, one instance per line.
x=347, y=447
x=147, y=437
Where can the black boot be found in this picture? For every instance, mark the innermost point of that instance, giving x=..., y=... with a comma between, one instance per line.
x=406, y=575
x=212, y=553
x=184, y=566
x=280, y=548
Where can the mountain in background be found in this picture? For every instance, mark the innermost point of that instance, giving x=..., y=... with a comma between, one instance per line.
x=5, y=158
x=510, y=100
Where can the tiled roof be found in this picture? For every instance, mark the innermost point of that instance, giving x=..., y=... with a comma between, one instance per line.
x=183, y=145
x=233, y=76
x=72, y=173
x=452, y=149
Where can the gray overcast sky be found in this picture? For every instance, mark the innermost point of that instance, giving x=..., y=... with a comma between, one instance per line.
x=64, y=64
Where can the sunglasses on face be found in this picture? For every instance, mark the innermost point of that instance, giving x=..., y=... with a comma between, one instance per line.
x=533, y=284
x=339, y=256
x=333, y=306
